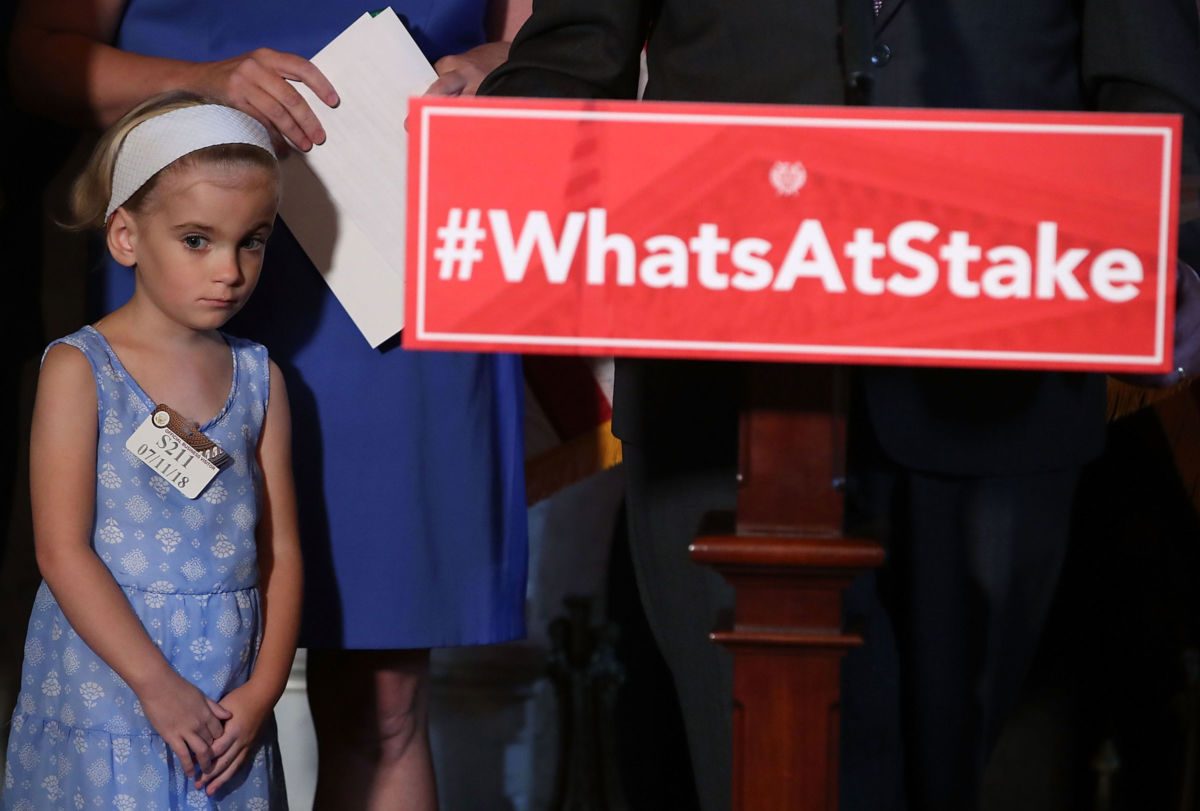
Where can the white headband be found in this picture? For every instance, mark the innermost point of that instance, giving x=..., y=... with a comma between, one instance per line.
x=160, y=141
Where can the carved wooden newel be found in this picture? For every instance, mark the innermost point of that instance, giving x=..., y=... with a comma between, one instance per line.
x=789, y=564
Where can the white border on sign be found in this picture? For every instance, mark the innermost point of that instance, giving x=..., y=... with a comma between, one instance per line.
x=800, y=350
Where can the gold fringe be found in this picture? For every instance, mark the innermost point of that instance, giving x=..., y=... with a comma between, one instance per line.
x=572, y=461
x=1125, y=398
x=1180, y=421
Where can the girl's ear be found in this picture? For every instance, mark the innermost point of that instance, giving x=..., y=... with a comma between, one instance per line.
x=121, y=236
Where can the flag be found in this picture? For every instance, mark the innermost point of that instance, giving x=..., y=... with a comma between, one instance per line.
x=568, y=422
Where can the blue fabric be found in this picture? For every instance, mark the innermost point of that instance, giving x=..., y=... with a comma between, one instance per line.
x=189, y=567
x=409, y=466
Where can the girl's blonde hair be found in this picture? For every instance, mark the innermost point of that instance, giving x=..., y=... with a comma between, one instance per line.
x=92, y=189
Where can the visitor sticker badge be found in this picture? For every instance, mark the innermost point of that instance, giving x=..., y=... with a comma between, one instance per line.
x=186, y=458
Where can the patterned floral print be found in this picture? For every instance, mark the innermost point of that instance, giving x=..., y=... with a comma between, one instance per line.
x=79, y=738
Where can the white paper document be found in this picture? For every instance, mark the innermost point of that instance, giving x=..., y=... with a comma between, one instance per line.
x=345, y=199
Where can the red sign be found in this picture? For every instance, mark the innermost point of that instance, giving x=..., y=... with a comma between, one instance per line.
x=862, y=235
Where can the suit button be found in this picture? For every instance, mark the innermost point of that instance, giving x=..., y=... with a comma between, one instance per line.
x=881, y=56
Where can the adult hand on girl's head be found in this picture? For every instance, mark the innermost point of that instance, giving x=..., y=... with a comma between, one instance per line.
x=249, y=712
x=187, y=720
x=256, y=83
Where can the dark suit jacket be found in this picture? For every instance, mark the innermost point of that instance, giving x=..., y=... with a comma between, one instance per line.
x=1141, y=55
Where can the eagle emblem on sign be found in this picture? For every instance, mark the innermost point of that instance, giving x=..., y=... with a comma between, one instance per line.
x=788, y=177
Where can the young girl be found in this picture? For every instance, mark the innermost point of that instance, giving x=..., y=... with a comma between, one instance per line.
x=163, y=505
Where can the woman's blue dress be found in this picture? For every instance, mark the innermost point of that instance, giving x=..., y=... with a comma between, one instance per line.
x=409, y=465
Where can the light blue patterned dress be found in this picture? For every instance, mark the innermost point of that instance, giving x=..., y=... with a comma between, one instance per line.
x=79, y=737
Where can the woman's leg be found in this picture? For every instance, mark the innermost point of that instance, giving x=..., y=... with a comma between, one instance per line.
x=371, y=713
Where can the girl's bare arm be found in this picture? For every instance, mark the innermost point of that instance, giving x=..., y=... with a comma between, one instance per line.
x=280, y=581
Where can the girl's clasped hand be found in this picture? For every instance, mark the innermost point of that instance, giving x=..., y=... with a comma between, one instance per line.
x=189, y=721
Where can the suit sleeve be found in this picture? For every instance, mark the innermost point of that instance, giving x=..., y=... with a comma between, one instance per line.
x=1144, y=56
x=575, y=49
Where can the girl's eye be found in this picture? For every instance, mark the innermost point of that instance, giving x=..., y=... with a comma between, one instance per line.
x=194, y=241
x=253, y=243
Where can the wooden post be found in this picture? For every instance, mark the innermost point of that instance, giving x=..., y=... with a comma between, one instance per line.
x=789, y=564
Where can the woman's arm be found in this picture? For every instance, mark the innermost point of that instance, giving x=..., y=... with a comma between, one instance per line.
x=280, y=577
x=62, y=476
x=64, y=67
x=278, y=536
